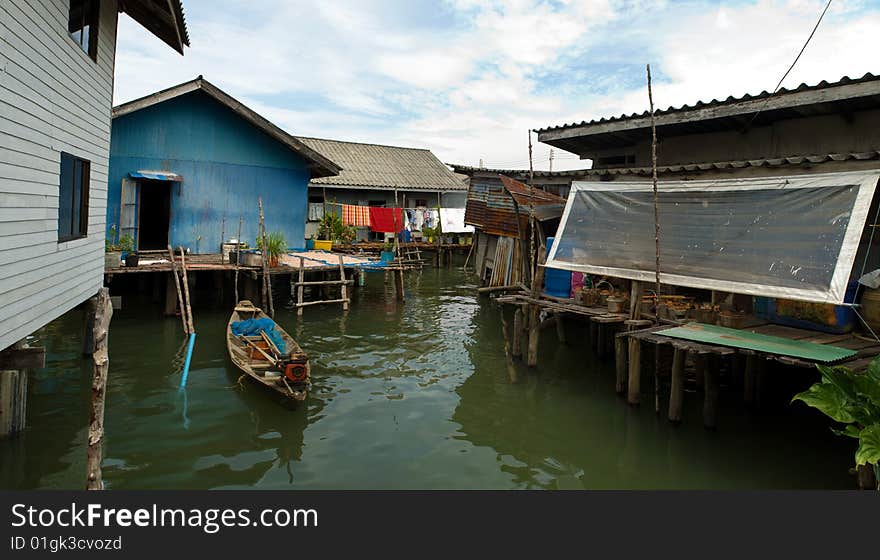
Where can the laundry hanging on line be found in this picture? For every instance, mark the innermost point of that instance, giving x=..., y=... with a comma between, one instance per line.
x=316, y=211
x=452, y=221
x=353, y=215
x=386, y=220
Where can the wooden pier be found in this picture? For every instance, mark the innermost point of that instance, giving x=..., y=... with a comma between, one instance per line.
x=644, y=356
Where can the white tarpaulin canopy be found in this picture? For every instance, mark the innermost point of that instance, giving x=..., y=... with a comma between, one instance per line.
x=794, y=237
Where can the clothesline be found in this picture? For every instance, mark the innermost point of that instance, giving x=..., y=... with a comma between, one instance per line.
x=401, y=207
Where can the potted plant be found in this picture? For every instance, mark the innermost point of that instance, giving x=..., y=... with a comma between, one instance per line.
x=112, y=252
x=428, y=233
x=276, y=245
x=126, y=245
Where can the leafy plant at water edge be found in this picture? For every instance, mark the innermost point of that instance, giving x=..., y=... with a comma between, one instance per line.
x=852, y=399
x=126, y=243
x=276, y=245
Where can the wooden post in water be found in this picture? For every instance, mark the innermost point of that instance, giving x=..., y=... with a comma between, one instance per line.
x=516, y=350
x=676, y=389
x=399, y=284
x=179, y=291
x=511, y=367
x=184, y=274
x=634, y=382
x=620, y=351
x=299, y=288
x=534, y=312
x=344, y=289
x=94, y=452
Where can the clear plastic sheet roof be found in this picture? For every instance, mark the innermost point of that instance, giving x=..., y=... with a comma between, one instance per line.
x=794, y=237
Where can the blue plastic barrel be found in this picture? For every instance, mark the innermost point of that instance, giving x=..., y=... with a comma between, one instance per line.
x=557, y=283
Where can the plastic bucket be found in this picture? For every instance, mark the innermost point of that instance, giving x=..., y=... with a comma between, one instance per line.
x=557, y=283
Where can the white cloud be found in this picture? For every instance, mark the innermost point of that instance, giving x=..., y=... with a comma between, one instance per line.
x=468, y=78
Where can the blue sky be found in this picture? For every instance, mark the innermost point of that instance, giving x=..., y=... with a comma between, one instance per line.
x=468, y=78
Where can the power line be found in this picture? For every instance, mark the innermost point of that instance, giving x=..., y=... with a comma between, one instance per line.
x=798, y=57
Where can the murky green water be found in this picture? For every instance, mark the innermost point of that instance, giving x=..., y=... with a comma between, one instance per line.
x=405, y=396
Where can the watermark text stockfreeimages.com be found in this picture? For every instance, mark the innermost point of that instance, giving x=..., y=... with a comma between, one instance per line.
x=209, y=520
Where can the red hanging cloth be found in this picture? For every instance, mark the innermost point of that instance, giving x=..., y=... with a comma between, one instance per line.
x=386, y=220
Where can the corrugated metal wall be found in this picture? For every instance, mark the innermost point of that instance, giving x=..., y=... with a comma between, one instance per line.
x=226, y=165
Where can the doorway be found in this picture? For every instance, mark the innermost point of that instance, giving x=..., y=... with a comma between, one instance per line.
x=154, y=215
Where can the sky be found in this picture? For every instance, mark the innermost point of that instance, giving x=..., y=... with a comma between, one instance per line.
x=469, y=78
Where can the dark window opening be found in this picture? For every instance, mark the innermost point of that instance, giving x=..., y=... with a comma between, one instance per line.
x=377, y=203
x=628, y=159
x=73, y=198
x=82, y=24
x=421, y=202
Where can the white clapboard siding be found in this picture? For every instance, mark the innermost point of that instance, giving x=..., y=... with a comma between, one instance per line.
x=53, y=99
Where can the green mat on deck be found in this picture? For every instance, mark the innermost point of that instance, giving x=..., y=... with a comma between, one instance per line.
x=722, y=336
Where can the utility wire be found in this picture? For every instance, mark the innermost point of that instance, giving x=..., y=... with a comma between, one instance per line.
x=798, y=57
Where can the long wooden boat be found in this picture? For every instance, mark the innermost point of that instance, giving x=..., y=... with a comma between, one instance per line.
x=286, y=373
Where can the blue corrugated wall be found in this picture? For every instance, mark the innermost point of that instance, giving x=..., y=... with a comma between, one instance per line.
x=226, y=165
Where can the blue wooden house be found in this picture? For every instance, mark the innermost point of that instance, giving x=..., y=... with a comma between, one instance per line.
x=187, y=162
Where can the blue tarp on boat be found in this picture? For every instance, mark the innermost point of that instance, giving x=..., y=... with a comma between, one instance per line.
x=253, y=327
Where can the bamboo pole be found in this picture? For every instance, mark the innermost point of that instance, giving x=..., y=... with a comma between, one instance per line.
x=95, y=450
x=534, y=331
x=620, y=364
x=189, y=317
x=634, y=385
x=656, y=233
x=179, y=292
x=267, y=283
x=299, y=288
x=237, y=258
x=343, y=291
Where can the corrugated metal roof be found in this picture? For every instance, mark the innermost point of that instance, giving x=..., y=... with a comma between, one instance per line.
x=682, y=167
x=319, y=164
x=163, y=18
x=846, y=80
x=490, y=207
x=384, y=167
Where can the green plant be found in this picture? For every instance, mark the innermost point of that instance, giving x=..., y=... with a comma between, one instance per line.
x=276, y=245
x=388, y=246
x=331, y=228
x=126, y=243
x=110, y=241
x=852, y=399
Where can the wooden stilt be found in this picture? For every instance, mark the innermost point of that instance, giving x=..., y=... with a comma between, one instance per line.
x=634, y=382
x=620, y=352
x=179, y=290
x=600, y=338
x=710, y=394
x=760, y=381
x=184, y=274
x=399, y=285
x=13, y=397
x=534, y=331
x=344, y=287
x=299, y=288
x=676, y=389
x=88, y=340
x=511, y=367
x=94, y=453
x=516, y=350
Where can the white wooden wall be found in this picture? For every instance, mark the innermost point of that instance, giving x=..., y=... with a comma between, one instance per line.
x=53, y=99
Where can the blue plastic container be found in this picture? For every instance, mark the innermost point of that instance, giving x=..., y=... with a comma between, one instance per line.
x=557, y=283
x=386, y=256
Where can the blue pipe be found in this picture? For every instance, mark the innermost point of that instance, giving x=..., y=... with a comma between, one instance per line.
x=189, y=352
